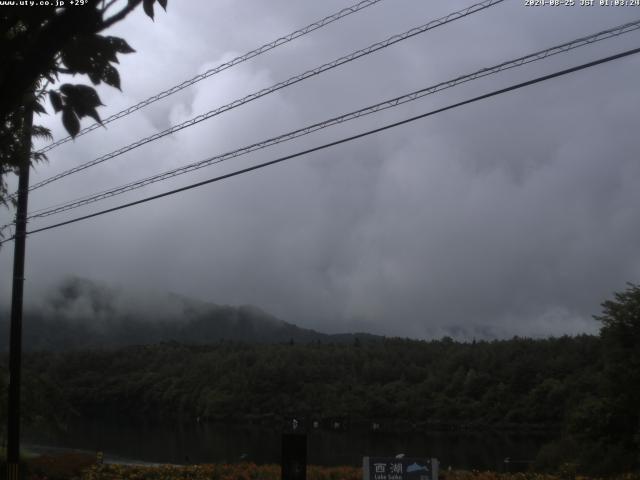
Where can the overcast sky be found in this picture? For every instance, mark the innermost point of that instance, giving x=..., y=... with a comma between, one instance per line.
x=517, y=215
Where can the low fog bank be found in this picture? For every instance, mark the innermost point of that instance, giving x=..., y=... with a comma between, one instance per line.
x=78, y=313
x=81, y=313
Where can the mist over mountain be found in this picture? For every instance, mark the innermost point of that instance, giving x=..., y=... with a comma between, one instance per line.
x=83, y=314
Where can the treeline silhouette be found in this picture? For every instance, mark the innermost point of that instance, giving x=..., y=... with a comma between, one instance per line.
x=439, y=384
x=585, y=388
x=557, y=384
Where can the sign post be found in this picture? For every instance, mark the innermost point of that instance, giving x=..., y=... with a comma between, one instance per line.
x=405, y=468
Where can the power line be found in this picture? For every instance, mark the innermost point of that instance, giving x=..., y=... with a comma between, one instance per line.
x=278, y=86
x=539, y=55
x=223, y=66
x=343, y=140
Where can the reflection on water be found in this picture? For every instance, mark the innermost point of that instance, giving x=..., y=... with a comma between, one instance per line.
x=207, y=443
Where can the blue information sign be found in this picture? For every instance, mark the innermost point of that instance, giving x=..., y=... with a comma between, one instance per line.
x=405, y=468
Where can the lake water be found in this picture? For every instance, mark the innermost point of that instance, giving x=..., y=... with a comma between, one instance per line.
x=208, y=443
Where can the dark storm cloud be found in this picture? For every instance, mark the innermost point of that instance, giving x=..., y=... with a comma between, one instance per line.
x=510, y=216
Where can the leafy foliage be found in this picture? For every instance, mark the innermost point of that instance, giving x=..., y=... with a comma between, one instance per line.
x=39, y=44
x=603, y=428
x=93, y=55
x=400, y=384
x=395, y=382
x=76, y=102
x=615, y=417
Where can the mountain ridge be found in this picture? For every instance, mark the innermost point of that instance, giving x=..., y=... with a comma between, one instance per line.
x=83, y=314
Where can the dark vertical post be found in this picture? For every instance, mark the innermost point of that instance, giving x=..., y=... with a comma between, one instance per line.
x=294, y=456
x=15, y=345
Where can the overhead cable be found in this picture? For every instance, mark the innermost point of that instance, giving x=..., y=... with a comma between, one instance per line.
x=223, y=66
x=394, y=102
x=278, y=86
x=343, y=140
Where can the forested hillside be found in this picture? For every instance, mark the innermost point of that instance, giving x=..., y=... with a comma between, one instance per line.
x=585, y=388
x=558, y=384
x=82, y=314
x=442, y=383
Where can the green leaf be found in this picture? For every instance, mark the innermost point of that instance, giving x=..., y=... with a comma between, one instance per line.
x=147, y=5
x=78, y=55
x=38, y=108
x=41, y=132
x=70, y=121
x=120, y=45
x=84, y=111
x=92, y=54
x=110, y=76
x=82, y=99
x=67, y=89
x=50, y=76
x=94, y=77
x=81, y=95
x=93, y=113
x=106, y=53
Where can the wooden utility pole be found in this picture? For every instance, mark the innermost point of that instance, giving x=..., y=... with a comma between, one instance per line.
x=15, y=346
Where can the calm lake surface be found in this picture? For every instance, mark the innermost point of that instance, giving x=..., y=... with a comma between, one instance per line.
x=207, y=443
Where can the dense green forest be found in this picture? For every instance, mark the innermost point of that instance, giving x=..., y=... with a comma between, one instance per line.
x=443, y=384
x=557, y=384
x=585, y=388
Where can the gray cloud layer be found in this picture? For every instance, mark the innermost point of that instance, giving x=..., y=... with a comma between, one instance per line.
x=517, y=215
